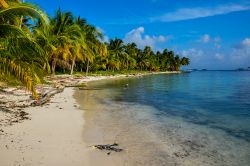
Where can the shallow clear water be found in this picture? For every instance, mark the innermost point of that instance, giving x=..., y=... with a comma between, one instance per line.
x=196, y=118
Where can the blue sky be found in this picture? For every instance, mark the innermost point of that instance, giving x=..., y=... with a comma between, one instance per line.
x=214, y=34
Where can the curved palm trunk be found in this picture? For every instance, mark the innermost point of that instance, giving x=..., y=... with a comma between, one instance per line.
x=87, y=70
x=72, y=66
x=21, y=19
x=53, y=66
x=44, y=66
x=127, y=62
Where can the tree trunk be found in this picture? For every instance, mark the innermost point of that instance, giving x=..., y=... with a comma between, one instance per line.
x=127, y=62
x=87, y=70
x=21, y=19
x=53, y=66
x=44, y=66
x=72, y=67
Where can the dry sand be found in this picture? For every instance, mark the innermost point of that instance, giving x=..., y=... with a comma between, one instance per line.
x=52, y=137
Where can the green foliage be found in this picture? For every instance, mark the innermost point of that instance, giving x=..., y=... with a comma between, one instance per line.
x=20, y=55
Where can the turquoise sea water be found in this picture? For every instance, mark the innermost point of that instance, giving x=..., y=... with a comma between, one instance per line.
x=196, y=118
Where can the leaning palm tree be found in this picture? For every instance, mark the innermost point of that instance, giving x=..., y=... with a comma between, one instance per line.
x=19, y=53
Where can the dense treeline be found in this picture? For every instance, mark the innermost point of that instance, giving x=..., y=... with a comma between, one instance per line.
x=33, y=45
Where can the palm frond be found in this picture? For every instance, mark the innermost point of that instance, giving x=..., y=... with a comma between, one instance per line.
x=21, y=72
x=4, y=4
x=23, y=9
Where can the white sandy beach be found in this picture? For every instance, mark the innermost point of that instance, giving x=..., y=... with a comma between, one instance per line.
x=53, y=135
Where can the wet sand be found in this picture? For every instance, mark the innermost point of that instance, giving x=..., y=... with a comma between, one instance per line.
x=148, y=140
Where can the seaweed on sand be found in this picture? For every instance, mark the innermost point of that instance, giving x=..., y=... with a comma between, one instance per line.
x=109, y=147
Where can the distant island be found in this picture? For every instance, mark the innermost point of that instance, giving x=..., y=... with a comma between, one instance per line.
x=243, y=69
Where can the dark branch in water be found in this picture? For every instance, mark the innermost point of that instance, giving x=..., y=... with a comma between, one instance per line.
x=90, y=89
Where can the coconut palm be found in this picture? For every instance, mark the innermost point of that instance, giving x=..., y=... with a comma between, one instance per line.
x=93, y=46
x=117, y=54
x=177, y=63
x=143, y=58
x=62, y=41
x=170, y=62
x=132, y=51
x=185, y=61
x=19, y=53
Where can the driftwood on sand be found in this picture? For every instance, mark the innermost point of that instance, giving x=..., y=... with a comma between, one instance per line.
x=46, y=96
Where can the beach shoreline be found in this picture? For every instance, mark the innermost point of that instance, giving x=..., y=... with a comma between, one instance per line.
x=50, y=133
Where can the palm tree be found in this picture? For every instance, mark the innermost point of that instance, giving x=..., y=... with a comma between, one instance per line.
x=177, y=63
x=170, y=63
x=117, y=54
x=132, y=51
x=62, y=41
x=61, y=29
x=69, y=39
x=93, y=46
x=143, y=58
x=185, y=61
x=20, y=55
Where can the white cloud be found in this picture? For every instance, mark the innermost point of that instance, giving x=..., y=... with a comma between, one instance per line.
x=236, y=57
x=199, y=12
x=219, y=56
x=205, y=38
x=202, y=58
x=246, y=42
x=217, y=39
x=193, y=54
x=218, y=46
x=241, y=53
x=239, y=58
x=100, y=29
x=137, y=36
x=105, y=37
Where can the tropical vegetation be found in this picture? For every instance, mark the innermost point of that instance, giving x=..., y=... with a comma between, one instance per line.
x=33, y=45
